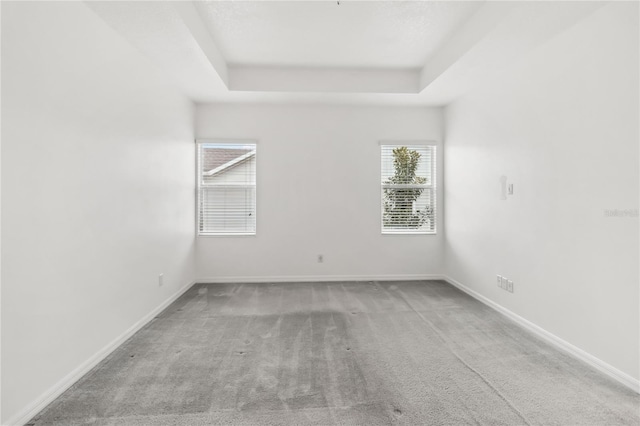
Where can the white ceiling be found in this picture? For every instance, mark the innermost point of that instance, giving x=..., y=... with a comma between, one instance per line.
x=358, y=52
x=354, y=34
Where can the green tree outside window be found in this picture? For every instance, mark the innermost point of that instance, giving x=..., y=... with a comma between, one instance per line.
x=399, y=211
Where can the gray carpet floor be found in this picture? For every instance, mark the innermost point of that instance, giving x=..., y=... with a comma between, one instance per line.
x=356, y=353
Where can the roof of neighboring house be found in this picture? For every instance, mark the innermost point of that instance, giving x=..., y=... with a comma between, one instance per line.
x=215, y=161
x=214, y=158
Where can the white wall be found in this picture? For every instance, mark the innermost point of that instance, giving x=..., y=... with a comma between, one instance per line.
x=97, y=193
x=318, y=183
x=562, y=125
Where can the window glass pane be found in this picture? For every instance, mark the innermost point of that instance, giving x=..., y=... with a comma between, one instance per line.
x=407, y=215
x=389, y=168
x=408, y=188
x=227, y=188
x=228, y=209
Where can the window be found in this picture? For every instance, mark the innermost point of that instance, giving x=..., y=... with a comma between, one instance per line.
x=408, y=188
x=226, y=188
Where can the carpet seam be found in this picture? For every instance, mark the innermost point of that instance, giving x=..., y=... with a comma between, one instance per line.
x=450, y=349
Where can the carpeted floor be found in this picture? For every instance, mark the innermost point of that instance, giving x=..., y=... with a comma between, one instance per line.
x=358, y=353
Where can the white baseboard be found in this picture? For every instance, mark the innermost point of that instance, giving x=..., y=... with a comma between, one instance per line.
x=317, y=278
x=554, y=340
x=66, y=382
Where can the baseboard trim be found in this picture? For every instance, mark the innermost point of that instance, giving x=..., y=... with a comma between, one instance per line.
x=66, y=382
x=554, y=340
x=317, y=278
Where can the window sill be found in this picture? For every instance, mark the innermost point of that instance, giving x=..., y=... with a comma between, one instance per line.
x=408, y=233
x=235, y=234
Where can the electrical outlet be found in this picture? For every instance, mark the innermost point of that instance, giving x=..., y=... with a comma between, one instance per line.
x=504, y=283
x=320, y=258
x=160, y=280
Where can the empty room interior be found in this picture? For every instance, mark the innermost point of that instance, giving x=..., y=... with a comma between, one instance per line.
x=320, y=212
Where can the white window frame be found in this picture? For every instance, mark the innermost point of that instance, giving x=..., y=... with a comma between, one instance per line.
x=432, y=186
x=199, y=185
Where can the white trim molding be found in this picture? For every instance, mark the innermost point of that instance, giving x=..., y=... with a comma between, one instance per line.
x=598, y=364
x=67, y=381
x=316, y=278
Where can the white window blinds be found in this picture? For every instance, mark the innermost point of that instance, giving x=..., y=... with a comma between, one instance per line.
x=226, y=188
x=408, y=189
